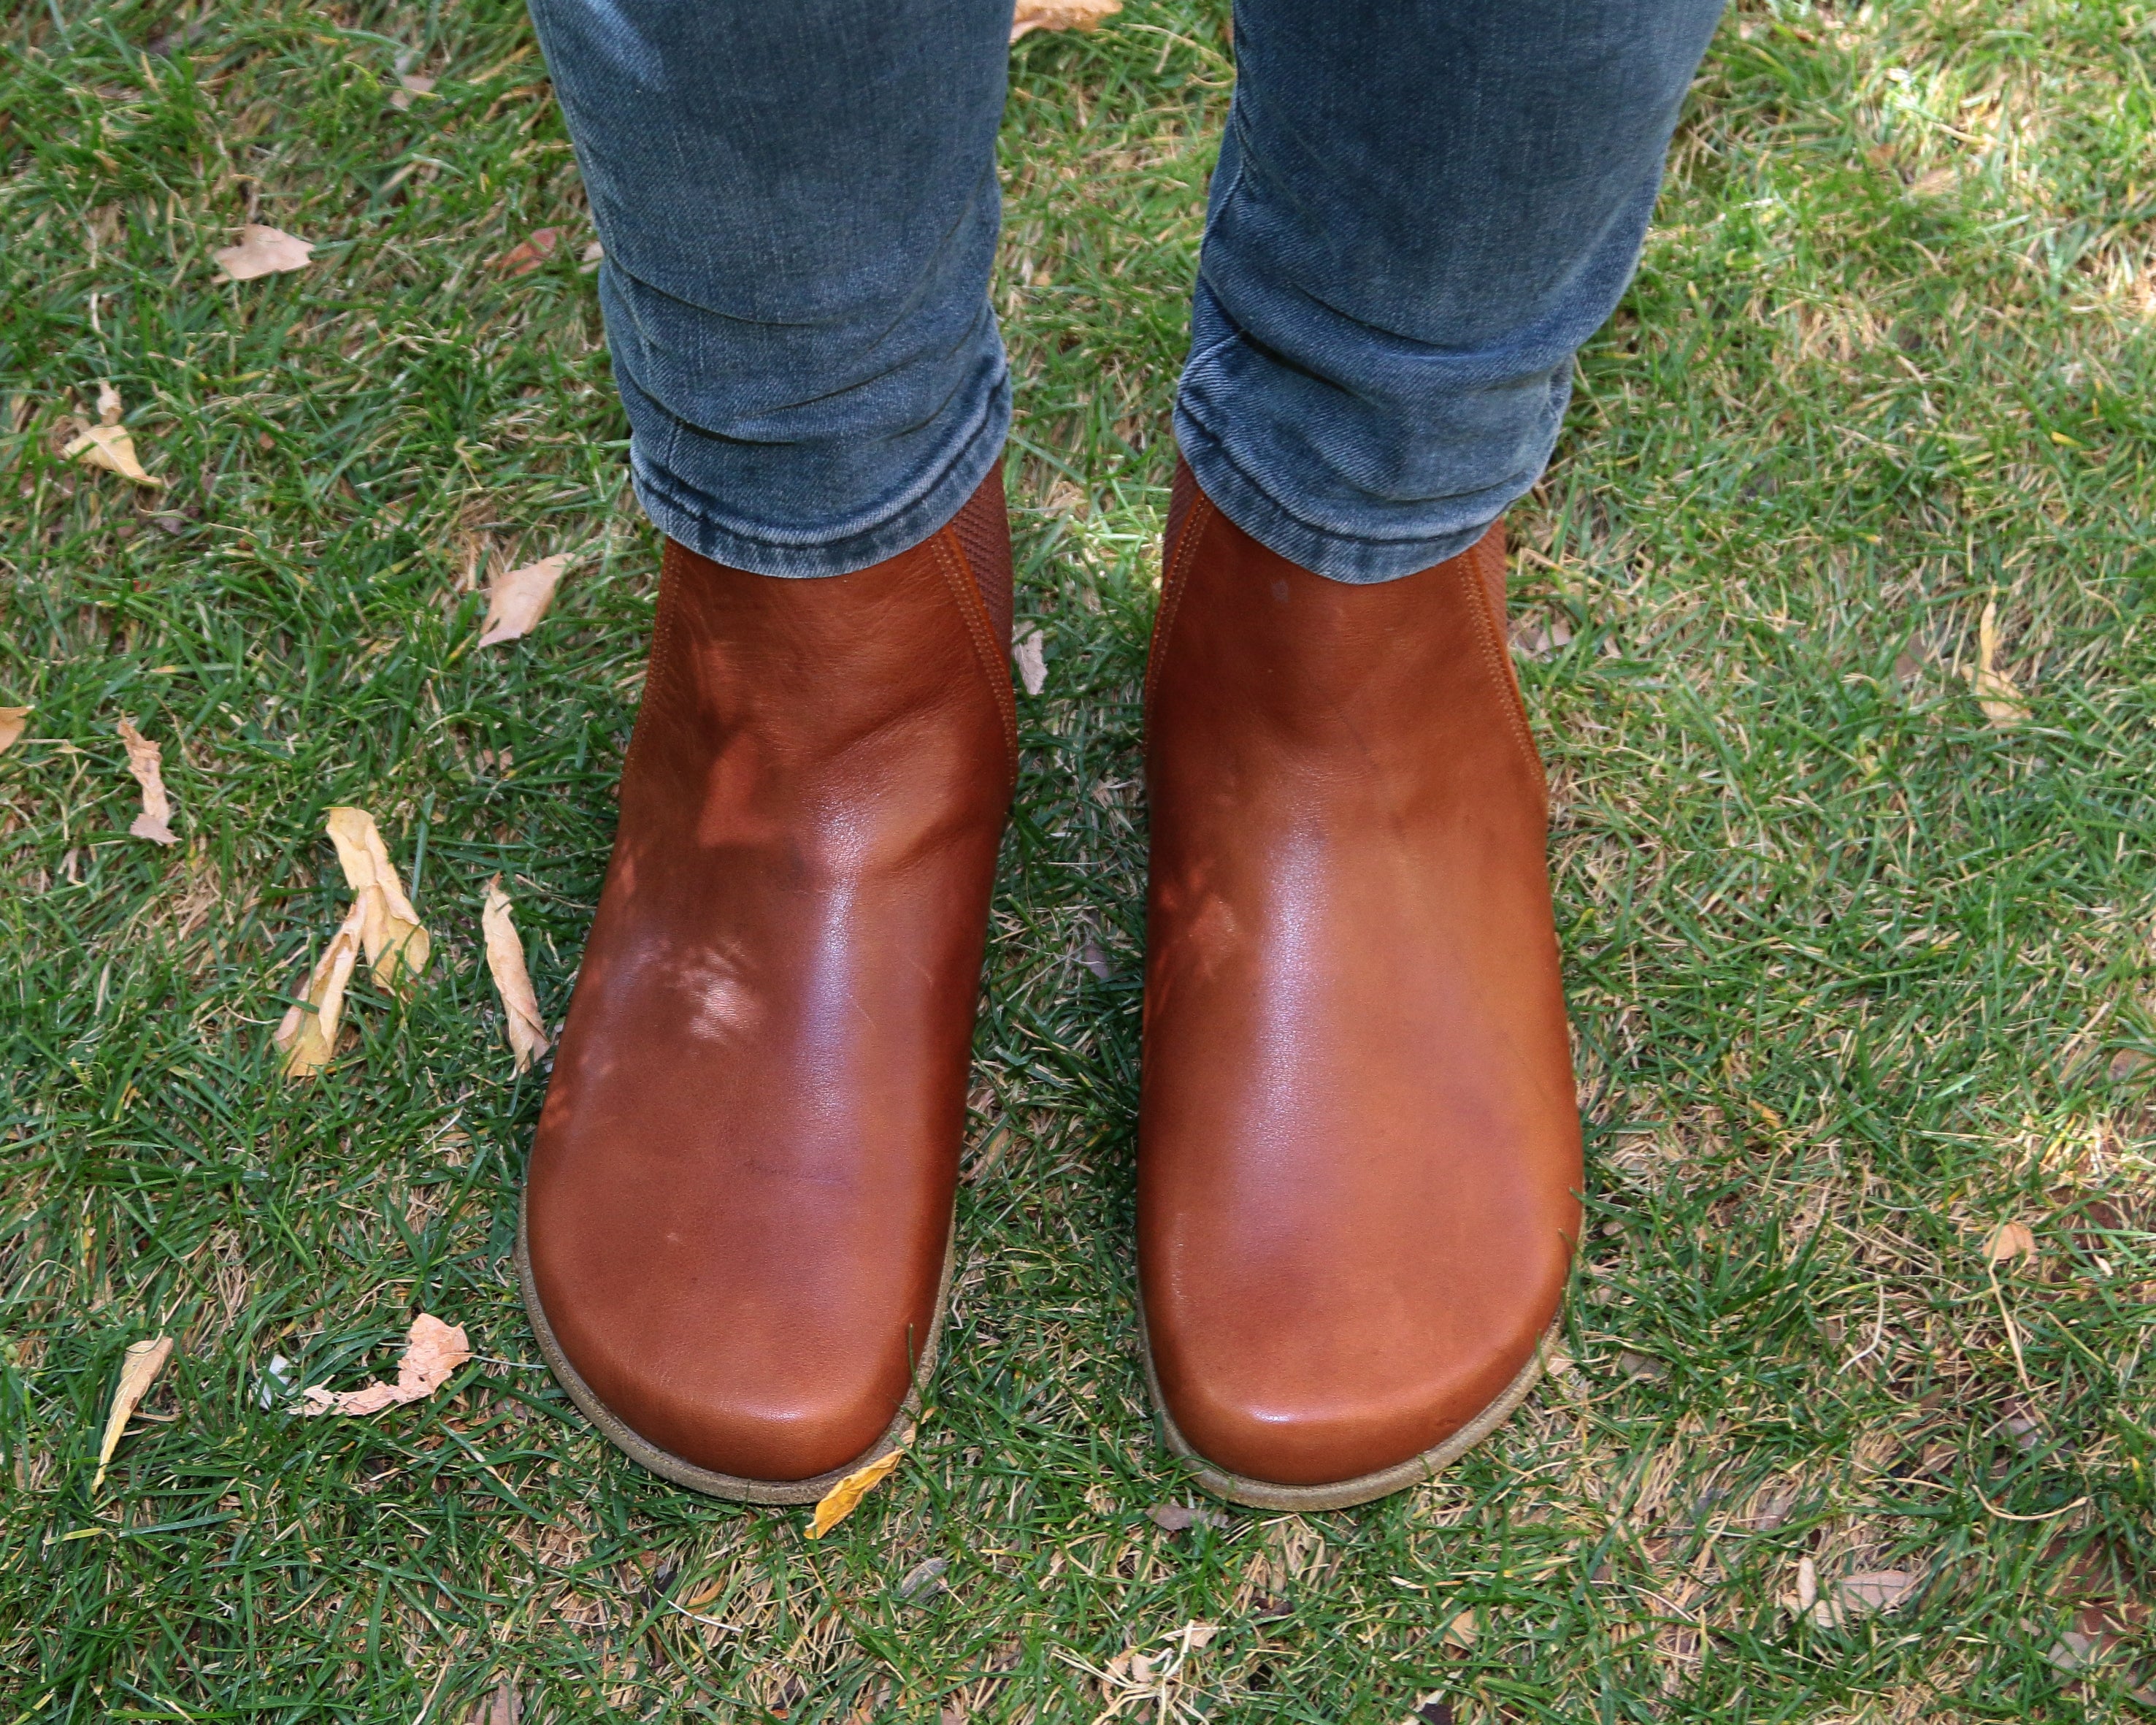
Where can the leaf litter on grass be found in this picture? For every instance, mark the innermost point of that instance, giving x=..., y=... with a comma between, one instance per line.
x=521, y=1023
x=308, y=1032
x=108, y=444
x=138, y=1370
x=517, y=599
x=433, y=1352
x=398, y=944
x=145, y=760
x=262, y=251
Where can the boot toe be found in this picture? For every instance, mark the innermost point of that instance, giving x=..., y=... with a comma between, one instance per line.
x=1281, y=1425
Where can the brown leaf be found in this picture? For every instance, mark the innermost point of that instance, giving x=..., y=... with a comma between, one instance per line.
x=1994, y=690
x=844, y=1497
x=517, y=599
x=411, y=84
x=505, y=1707
x=2008, y=1241
x=398, y=946
x=144, y=760
x=1174, y=1518
x=504, y=959
x=522, y=259
x=308, y=1033
x=109, y=406
x=12, y=719
x=1031, y=656
x=262, y=251
x=1033, y=15
x=138, y=1371
x=433, y=1350
x=108, y=446
x=1460, y=1631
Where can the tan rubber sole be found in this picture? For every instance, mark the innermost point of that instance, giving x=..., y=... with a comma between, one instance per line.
x=669, y=1466
x=1344, y=1494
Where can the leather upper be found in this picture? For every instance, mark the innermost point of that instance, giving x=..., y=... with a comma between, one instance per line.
x=1358, y=1141
x=739, y=1196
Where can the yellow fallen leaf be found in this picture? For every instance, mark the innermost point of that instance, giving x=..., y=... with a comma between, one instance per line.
x=1033, y=15
x=1994, y=690
x=2008, y=1241
x=843, y=1498
x=433, y=1350
x=504, y=959
x=262, y=251
x=308, y=1033
x=144, y=761
x=12, y=719
x=138, y=1371
x=517, y=601
x=397, y=945
x=109, y=447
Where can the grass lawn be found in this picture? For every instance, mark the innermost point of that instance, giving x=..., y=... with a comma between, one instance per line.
x=1857, y=975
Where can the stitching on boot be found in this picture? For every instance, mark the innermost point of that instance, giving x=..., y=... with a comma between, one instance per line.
x=1497, y=652
x=951, y=560
x=1181, y=555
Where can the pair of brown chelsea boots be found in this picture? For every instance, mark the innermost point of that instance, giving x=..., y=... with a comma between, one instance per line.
x=1358, y=1146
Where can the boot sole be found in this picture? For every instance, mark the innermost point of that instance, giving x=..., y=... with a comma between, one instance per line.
x=1345, y=1494
x=671, y=1467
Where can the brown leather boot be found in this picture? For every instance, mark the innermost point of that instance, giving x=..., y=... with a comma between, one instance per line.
x=1358, y=1143
x=736, y=1230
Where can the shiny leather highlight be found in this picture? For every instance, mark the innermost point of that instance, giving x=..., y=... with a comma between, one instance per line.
x=1359, y=1150
x=741, y=1193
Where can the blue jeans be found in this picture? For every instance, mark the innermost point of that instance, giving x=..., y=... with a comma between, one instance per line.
x=1422, y=208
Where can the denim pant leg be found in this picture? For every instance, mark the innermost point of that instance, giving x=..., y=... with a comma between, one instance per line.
x=799, y=207
x=1423, y=208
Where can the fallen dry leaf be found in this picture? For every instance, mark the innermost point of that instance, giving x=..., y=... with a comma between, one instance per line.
x=108, y=445
x=522, y=259
x=592, y=253
x=110, y=407
x=1133, y=1678
x=1532, y=638
x=505, y=1707
x=1174, y=1518
x=517, y=601
x=262, y=251
x=844, y=1497
x=398, y=946
x=144, y=761
x=1031, y=656
x=1033, y=15
x=410, y=84
x=504, y=958
x=2008, y=1241
x=12, y=719
x=308, y=1033
x=432, y=1350
x=138, y=1371
x=1994, y=690
x=1461, y=1632
x=1865, y=1595
x=924, y=1579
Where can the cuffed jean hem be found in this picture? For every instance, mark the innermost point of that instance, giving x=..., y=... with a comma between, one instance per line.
x=1356, y=562
x=694, y=519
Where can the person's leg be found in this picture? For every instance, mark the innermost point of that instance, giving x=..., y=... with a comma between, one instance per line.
x=738, y=1208
x=1358, y=1145
x=798, y=204
x=1421, y=211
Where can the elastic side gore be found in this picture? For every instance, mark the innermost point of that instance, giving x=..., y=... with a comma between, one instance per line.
x=982, y=530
